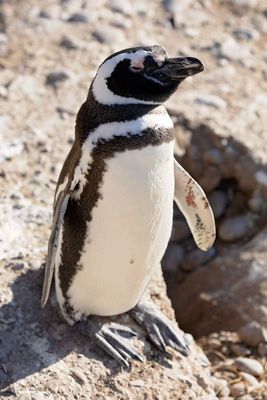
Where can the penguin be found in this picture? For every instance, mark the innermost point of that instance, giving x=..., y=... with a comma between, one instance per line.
x=113, y=203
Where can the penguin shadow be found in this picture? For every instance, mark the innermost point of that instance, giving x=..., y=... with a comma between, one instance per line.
x=33, y=339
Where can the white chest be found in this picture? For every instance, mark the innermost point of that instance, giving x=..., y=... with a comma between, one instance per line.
x=129, y=231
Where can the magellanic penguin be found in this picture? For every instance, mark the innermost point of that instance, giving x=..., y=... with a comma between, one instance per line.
x=113, y=204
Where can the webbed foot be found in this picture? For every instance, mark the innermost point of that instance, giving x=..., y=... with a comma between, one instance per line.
x=159, y=329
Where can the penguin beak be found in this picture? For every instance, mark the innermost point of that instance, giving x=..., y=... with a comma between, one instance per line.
x=182, y=67
x=177, y=69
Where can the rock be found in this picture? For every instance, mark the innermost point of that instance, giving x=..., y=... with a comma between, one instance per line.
x=210, y=179
x=257, y=204
x=245, y=34
x=78, y=376
x=261, y=177
x=137, y=383
x=78, y=18
x=197, y=257
x=107, y=35
x=177, y=9
x=246, y=397
x=68, y=43
x=262, y=349
x=235, y=228
x=252, y=334
x=240, y=350
x=121, y=6
x=55, y=77
x=11, y=149
x=249, y=379
x=38, y=396
x=218, y=202
x=2, y=22
x=224, y=393
x=249, y=365
x=245, y=3
x=234, y=51
x=44, y=14
x=3, y=44
x=237, y=389
x=191, y=32
x=173, y=258
x=210, y=100
x=219, y=385
x=213, y=156
x=180, y=231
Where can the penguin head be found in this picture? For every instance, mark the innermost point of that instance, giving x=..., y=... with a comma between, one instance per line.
x=141, y=75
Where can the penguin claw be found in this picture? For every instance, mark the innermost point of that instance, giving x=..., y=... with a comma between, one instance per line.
x=114, y=340
x=122, y=330
x=159, y=329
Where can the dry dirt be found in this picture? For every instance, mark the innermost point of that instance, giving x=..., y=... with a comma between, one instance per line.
x=41, y=357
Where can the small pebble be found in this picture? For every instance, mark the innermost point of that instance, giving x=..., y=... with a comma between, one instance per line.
x=245, y=3
x=53, y=78
x=234, y=51
x=234, y=228
x=224, y=393
x=252, y=334
x=17, y=266
x=237, y=389
x=210, y=100
x=218, y=202
x=180, y=230
x=3, y=44
x=245, y=397
x=78, y=17
x=107, y=35
x=240, y=350
x=257, y=204
x=137, y=383
x=44, y=14
x=67, y=43
x=249, y=365
x=37, y=396
x=210, y=179
x=219, y=384
x=215, y=343
x=213, y=156
x=121, y=6
x=245, y=34
x=197, y=257
x=249, y=379
x=78, y=376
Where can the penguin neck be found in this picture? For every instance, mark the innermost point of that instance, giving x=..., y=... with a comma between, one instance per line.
x=92, y=114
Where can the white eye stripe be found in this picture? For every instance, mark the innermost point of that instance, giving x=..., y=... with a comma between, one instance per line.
x=102, y=93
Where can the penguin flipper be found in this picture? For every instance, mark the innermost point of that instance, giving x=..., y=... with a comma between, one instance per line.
x=65, y=187
x=59, y=212
x=193, y=203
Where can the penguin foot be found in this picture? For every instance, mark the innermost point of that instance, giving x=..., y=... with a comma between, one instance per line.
x=114, y=339
x=159, y=329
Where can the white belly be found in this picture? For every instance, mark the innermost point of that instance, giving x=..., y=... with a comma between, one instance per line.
x=129, y=231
